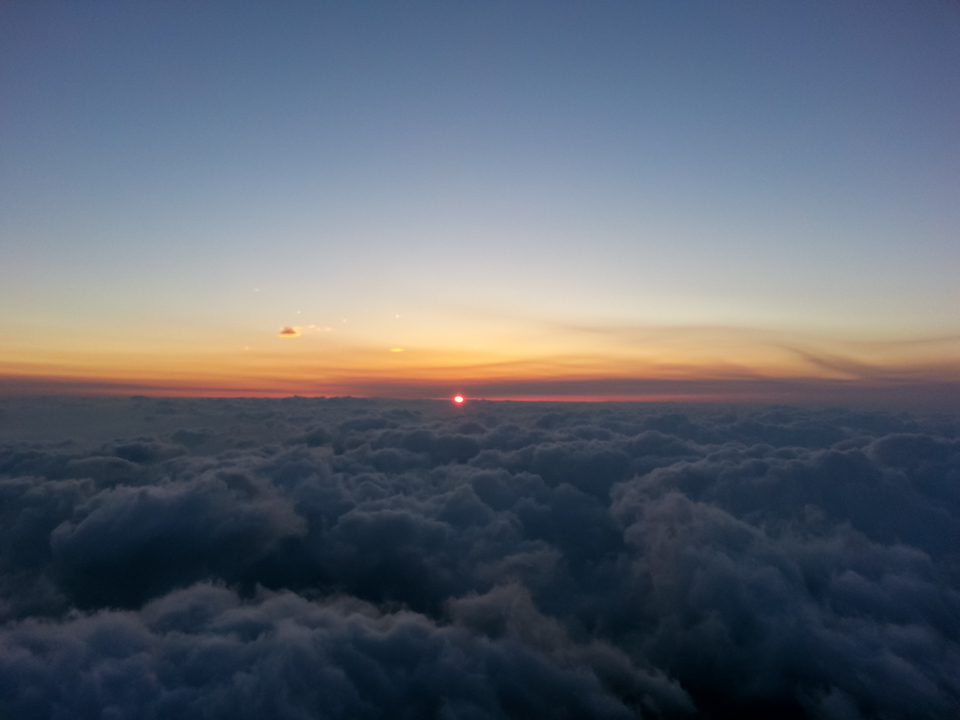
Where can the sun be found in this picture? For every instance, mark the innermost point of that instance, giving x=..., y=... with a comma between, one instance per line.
x=458, y=399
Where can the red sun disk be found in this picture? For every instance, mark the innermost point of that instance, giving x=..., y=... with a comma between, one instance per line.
x=458, y=399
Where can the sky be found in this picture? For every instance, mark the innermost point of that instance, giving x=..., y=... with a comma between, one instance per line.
x=507, y=199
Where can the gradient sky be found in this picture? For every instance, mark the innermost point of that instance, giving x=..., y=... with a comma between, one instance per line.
x=514, y=194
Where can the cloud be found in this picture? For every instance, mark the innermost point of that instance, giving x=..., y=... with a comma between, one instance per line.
x=349, y=557
x=289, y=332
x=204, y=652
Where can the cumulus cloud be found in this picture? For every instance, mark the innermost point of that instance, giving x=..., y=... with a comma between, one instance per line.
x=203, y=652
x=360, y=558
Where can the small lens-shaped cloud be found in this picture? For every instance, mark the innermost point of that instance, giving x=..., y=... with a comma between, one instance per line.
x=289, y=332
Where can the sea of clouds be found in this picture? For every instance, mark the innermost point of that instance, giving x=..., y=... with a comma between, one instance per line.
x=349, y=558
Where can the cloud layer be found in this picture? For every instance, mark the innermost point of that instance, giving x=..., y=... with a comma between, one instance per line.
x=357, y=558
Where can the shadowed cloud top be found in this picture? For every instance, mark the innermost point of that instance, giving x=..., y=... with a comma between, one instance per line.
x=351, y=558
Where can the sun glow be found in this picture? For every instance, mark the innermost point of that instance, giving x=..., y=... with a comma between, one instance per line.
x=458, y=399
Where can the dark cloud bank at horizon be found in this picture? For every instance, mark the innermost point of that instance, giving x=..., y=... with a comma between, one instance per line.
x=348, y=558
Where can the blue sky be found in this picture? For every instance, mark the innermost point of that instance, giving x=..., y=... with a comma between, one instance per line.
x=200, y=175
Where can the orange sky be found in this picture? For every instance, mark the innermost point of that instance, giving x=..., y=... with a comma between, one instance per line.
x=527, y=360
